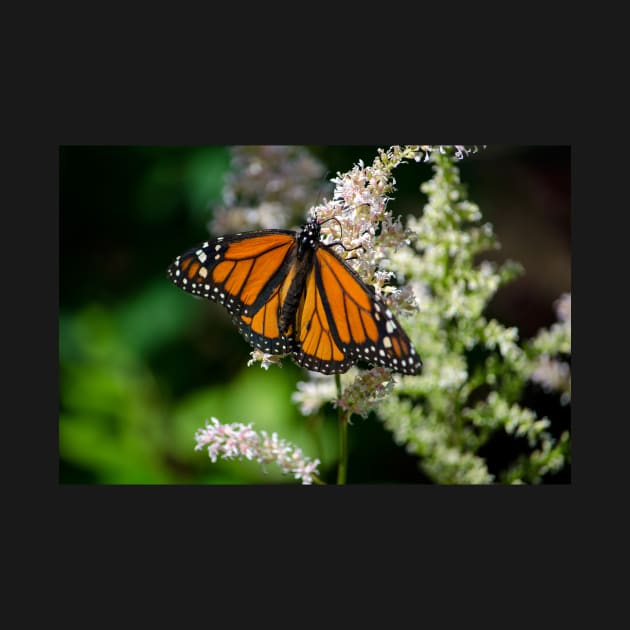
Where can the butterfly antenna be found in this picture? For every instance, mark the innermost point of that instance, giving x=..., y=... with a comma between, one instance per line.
x=322, y=184
x=347, y=249
x=335, y=219
x=320, y=191
x=338, y=223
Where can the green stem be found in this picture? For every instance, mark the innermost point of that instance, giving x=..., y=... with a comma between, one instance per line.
x=343, y=438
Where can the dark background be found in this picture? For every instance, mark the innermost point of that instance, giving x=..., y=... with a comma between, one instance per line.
x=142, y=364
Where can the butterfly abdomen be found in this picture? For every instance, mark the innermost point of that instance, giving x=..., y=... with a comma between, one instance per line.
x=308, y=240
x=291, y=302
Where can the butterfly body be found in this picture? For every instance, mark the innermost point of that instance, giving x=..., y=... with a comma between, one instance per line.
x=307, y=242
x=288, y=293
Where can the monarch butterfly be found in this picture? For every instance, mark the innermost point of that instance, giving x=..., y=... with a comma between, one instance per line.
x=289, y=293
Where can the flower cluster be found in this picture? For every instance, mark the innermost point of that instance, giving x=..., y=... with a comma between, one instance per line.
x=361, y=391
x=557, y=339
x=363, y=225
x=548, y=454
x=366, y=391
x=432, y=414
x=552, y=375
x=264, y=358
x=238, y=441
x=461, y=151
x=563, y=309
x=548, y=371
x=268, y=187
x=313, y=394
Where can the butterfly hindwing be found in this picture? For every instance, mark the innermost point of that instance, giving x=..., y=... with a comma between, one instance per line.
x=318, y=348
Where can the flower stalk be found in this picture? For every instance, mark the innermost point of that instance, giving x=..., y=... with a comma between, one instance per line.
x=344, y=417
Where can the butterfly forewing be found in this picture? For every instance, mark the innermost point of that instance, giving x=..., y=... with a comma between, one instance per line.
x=244, y=273
x=318, y=349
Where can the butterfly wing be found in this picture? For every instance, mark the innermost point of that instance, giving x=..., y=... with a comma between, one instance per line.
x=340, y=320
x=249, y=274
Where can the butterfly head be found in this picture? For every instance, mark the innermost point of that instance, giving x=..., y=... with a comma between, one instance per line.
x=308, y=237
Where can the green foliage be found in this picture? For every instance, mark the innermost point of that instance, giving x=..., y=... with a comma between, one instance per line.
x=192, y=178
x=117, y=423
x=111, y=416
x=474, y=370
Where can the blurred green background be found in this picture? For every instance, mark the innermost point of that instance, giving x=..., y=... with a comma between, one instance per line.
x=143, y=364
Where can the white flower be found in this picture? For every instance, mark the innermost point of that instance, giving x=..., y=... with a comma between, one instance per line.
x=364, y=393
x=265, y=360
x=238, y=441
x=552, y=375
x=312, y=395
x=563, y=308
